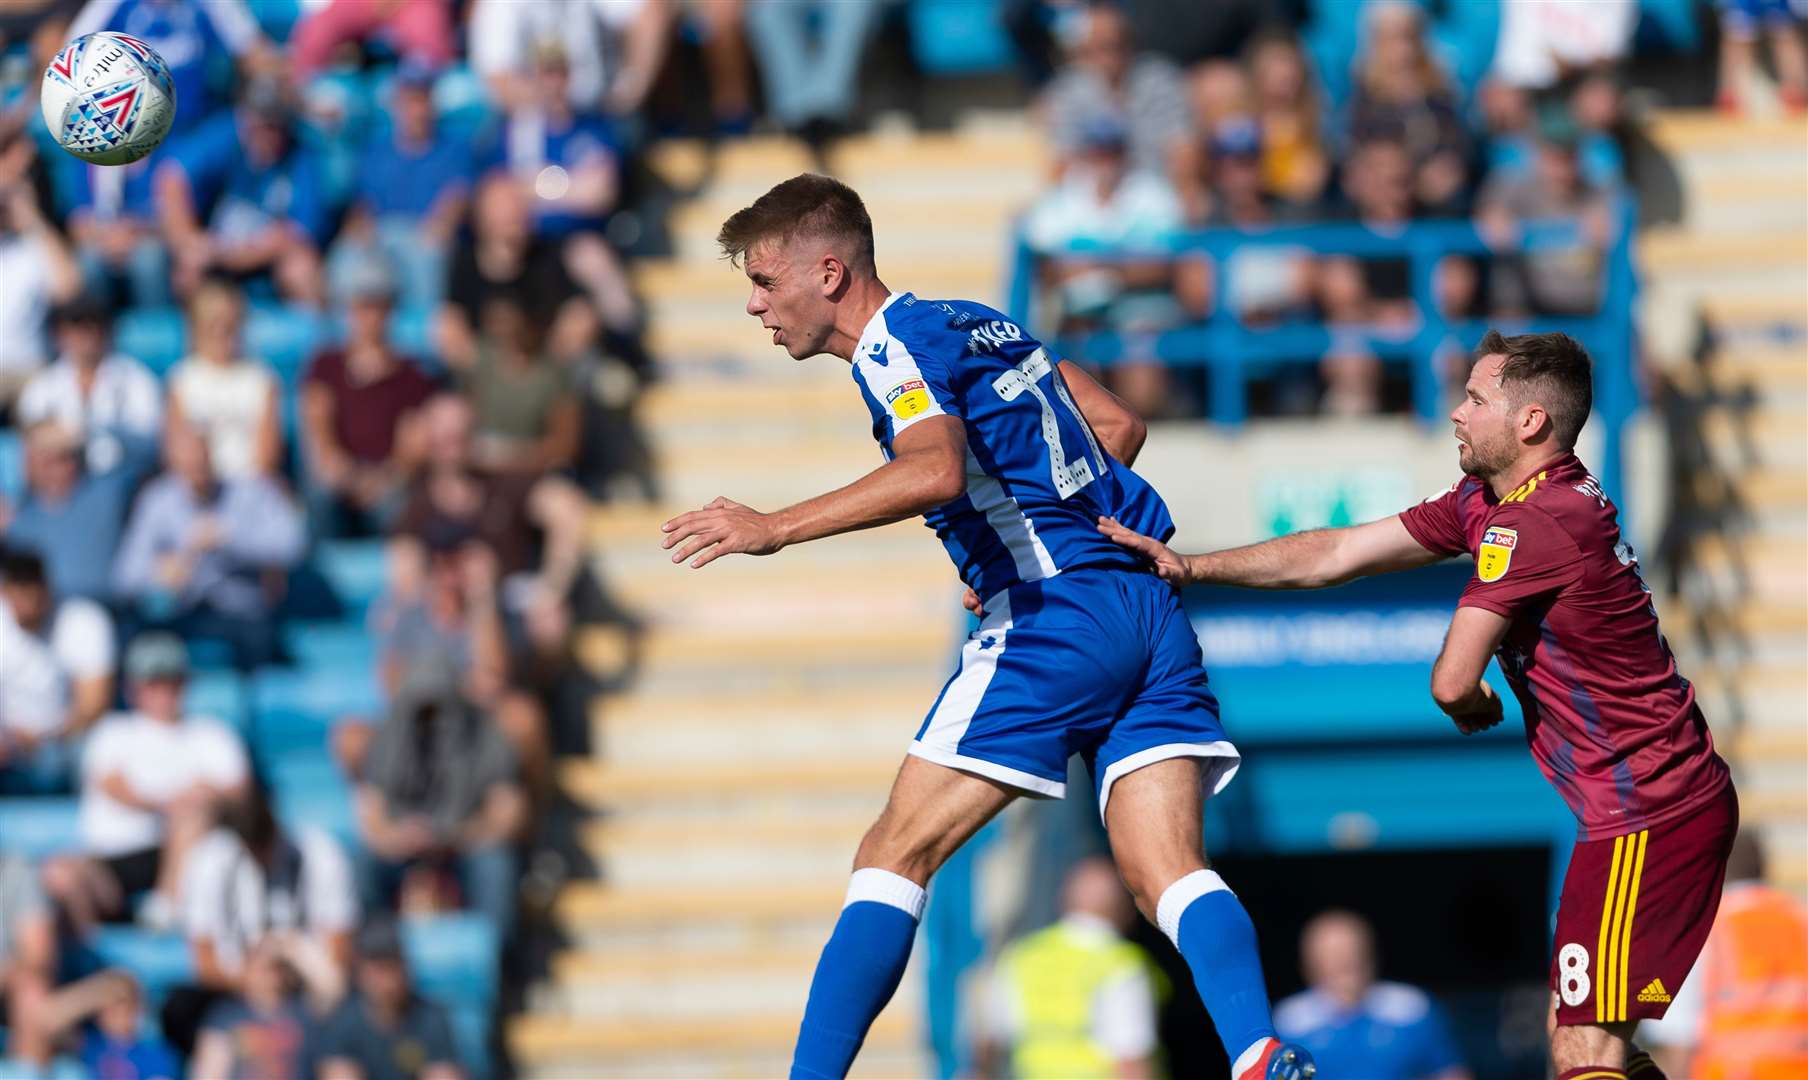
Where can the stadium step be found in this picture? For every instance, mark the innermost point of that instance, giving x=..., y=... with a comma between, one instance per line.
x=873, y=719
x=695, y=920
x=754, y=984
x=561, y=1047
x=747, y=787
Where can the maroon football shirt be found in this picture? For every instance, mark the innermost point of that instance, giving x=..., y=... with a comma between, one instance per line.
x=1613, y=724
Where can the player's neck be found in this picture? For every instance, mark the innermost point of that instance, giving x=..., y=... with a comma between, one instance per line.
x=1508, y=481
x=857, y=308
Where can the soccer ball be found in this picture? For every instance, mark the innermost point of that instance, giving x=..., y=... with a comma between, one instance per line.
x=107, y=98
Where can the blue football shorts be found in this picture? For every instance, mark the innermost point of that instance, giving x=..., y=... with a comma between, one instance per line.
x=1101, y=663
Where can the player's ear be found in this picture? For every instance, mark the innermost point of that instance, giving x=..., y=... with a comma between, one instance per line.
x=1533, y=420
x=833, y=274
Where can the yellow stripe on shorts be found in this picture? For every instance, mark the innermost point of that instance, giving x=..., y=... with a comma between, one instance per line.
x=1638, y=872
x=1603, y=963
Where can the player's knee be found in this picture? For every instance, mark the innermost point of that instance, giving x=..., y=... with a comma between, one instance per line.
x=912, y=855
x=1575, y=1046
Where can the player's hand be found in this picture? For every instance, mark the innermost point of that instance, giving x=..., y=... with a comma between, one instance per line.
x=724, y=527
x=1169, y=564
x=1487, y=713
x=970, y=601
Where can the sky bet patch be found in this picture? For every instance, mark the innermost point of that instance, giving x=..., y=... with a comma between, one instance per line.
x=907, y=399
x=1495, y=553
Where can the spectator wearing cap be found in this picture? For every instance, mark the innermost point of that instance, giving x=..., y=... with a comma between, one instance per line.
x=260, y=905
x=1563, y=279
x=1106, y=77
x=359, y=411
x=187, y=34
x=569, y=164
x=502, y=258
x=413, y=188
x=58, y=663
x=1357, y=1025
x=1101, y=200
x=231, y=400
x=440, y=800
x=242, y=197
x=1403, y=95
x=71, y=516
x=112, y=400
x=152, y=780
x=207, y=555
x=1266, y=280
x=35, y=264
x=384, y=1030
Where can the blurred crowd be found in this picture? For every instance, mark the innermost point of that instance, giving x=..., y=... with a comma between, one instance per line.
x=376, y=292
x=1249, y=135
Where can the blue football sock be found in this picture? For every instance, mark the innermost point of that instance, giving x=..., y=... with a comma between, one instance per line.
x=858, y=973
x=1207, y=923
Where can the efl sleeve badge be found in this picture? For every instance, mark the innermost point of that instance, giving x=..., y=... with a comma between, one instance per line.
x=1495, y=553
x=908, y=399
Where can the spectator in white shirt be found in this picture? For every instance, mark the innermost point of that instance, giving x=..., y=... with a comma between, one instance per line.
x=152, y=781
x=56, y=677
x=249, y=885
x=233, y=401
x=112, y=400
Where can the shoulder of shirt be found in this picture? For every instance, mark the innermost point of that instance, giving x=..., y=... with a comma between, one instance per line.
x=81, y=609
x=1397, y=1003
x=1305, y=1011
x=1546, y=502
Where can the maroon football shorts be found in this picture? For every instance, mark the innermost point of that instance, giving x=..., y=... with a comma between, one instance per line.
x=1635, y=912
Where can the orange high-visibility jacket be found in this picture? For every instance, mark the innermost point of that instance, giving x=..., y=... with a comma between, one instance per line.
x=1754, y=1023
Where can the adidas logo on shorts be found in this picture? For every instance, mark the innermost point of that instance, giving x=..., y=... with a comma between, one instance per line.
x=1655, y=992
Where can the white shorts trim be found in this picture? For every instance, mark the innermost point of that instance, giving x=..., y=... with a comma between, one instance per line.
x=1216, y=776
x=991, y=770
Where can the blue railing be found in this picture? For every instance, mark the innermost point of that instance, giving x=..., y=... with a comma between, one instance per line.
x=1231, y=351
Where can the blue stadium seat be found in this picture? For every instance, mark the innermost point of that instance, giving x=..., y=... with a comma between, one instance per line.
x=343, y=646
x=12, y=465
x=357, y=570
x=284, y=338
x=156, y=337
x=159, y=962
x=294, y=709
x=219, y=695
x=454, y=960
x=307, y=788
x=411, y=333
x=39, y=827
x=959, y=37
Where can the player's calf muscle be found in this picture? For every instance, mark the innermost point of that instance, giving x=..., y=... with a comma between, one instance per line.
x=932, y=811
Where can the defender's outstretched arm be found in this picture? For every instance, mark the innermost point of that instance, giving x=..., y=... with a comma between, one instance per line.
x=927, y=469
x=1456, y=679
x=1305, y=560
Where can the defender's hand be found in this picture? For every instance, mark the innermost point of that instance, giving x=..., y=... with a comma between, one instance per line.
x=1487, y=713
x=721, y=528
x=970, y=601
x=1169, y=564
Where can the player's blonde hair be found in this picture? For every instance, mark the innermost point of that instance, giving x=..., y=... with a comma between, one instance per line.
x=805, y=205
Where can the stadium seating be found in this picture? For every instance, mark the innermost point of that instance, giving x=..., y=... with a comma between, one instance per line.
x=38, y=827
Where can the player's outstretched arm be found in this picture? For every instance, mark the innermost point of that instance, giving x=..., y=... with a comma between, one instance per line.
x=1114, y=423
x=928, y=468
x=1313, y=559
x=1456, y=679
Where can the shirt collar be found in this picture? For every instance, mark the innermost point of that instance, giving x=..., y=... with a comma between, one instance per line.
x=876, y=332
x=1086, y=925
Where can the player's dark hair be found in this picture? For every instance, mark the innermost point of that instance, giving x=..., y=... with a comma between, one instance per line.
x=1552, y=369
x=805, y=205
